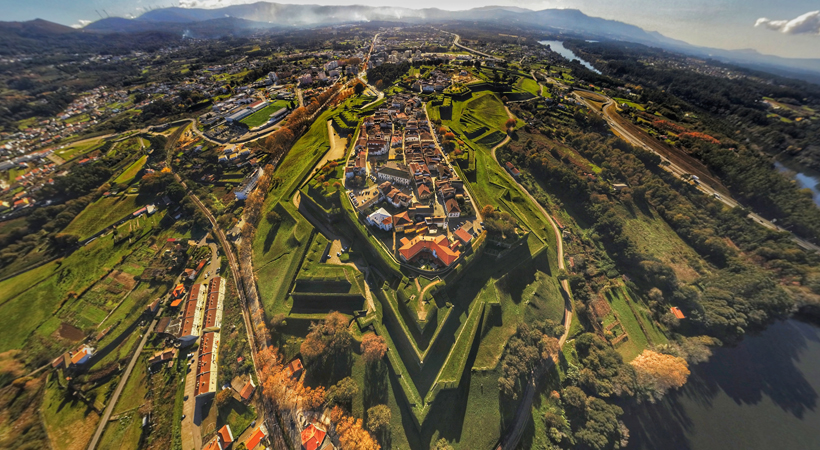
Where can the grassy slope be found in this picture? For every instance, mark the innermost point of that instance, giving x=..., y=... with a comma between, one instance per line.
x=127, y=176
x=30, y=299
x=69, y=423
x=277, y=249
x=101, y=214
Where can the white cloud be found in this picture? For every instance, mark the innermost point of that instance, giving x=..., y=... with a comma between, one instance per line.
x=808, y=23
x=81, y=23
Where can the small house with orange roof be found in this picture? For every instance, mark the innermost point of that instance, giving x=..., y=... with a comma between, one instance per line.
x=178, y=291
x=315, y=438
x=677, y=312
x=247, y=391
x=463, y=236
x=294, y=368
x=222, y=440
x=256, y=438
x=82, y=355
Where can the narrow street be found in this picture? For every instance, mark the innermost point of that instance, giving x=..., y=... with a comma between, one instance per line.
x=112, y=401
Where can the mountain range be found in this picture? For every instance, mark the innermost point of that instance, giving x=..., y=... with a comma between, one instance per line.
x=273, y=16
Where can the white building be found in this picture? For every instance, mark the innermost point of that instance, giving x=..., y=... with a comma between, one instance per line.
x=248, y=184
x=382, y=219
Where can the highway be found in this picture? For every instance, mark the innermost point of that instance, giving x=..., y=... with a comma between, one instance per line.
x=682, y=166
x=464, y=47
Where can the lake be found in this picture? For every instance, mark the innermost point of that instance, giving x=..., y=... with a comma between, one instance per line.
x=804, y=179
x=761, y=394
x=558, y=47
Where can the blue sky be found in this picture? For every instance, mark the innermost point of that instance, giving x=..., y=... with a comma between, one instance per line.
x=728, y=24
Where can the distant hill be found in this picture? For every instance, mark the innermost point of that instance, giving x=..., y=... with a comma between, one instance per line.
x=267, y=15
x=41, y=36
x=35, y=29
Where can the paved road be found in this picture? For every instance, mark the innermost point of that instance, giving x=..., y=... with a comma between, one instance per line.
x=681, y=166
x=463, y=47
x=109, y=408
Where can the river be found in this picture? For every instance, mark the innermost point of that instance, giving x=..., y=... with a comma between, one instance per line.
x=558, y=47
x=761, y=394
x=804, y=179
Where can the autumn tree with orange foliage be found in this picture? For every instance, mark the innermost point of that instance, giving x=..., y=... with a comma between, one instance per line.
x=352, y=435
x=510, y=124
x=374, y=347
x=657, y=373
x=284, y=390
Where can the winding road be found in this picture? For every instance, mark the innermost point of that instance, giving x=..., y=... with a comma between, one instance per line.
x=522, y=415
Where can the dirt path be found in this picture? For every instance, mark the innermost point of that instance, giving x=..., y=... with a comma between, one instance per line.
x=424, y=291
x=338, y=145
x=516, y=429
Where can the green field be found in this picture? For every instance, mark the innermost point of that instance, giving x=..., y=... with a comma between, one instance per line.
x=69, y=422
x=637, y=106
x=80, y=148
x=278, y=248
x=102, y=214
x=263, y=115
x=128, y=175
x=529, y=85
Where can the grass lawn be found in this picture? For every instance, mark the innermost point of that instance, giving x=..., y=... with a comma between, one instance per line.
x=263, y=115
x=529, y=85
x=637, y=106
x=128, y=175
x=123, y=433
x=277, y=248
x=69, y=423
x=656, y=238
x=136, y=388
x=530, y=293
x=102, y=214
x=277, y=261
x=638, y=340
x=81, y=148
x=236, y=414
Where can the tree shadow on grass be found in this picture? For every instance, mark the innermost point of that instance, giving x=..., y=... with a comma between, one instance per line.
x=376, y=385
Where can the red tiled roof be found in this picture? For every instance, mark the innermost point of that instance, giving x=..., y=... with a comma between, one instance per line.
x=294, y=367
x=225, y=434
x=403, y=218
x=247, y=391
x=438, y=245
x=255, y=439
x=463, y=236
x=312, y=437
x=677, y=312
